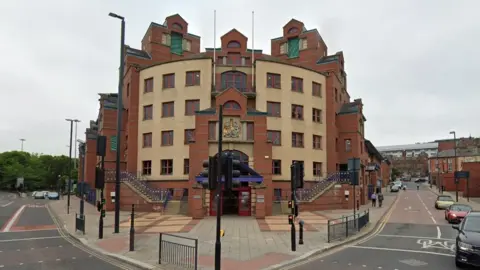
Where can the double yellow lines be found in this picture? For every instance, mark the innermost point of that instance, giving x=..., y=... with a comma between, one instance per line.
x=80, y=246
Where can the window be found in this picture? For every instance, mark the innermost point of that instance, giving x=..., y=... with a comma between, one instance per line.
x=189, y=136
x=450, y=165
x=167, y=167
x=250, y=131
x=274, y=136
x=303, y=44
x=186, y=166
x=348, y=145
x=316, y=89
x=147, y=167
x=177, y=26
x=176, y=43
x=317, y=168
x=168, y=109
x=293, y=30
x=284, y=48
x=273, y=109
x=297, y=139
x=233, y=44
x=167, y=138
x=148, y=112
x=297, y=112
x=191, y=106
x=317, y=142
x=192, y=78
x=231, y=105
x=234, y=79
x=166, y=39
x=276, y=166
x=212, y=131
x=297, y=85
x=187, y=45
x=273, y=80
x=317, y=115
x=234, y=59
x=293, y=47
x=169, y=80
x=148, y=85
x=147, y=140
x=298, y=161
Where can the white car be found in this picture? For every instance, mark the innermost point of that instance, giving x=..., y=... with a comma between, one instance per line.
x=40, y=194
x=395, y=188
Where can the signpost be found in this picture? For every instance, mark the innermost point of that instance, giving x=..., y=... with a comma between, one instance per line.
x=353, y=169
x=462, y=175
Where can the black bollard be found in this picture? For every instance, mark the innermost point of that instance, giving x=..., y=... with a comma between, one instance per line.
x=358, y=205
x=300, y=237
x=132, y=229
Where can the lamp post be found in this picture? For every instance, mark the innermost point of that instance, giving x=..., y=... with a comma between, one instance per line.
x=81, y=156
x=21, y=146
x=75, y=146
x=119, y=121
x=69, y=163
x=455, y=162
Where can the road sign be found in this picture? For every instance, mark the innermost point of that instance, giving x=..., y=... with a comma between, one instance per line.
x=353, y=164
x=462, y=174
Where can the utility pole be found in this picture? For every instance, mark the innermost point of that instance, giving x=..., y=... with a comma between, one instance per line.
x=455, y=162
x=75, y=146
x=69, y=179
x=119, y=120
x=21, y=147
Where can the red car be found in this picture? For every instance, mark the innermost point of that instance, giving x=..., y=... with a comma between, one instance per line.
x=456, y=212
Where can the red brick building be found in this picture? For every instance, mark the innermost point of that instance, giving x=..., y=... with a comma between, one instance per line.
x=292, y=105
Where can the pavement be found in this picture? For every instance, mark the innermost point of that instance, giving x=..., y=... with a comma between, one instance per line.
x=30, y=239
x=248, y=243
x=414, y=235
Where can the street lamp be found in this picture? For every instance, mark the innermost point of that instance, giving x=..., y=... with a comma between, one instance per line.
x=119, y=121
x=81, y=156
x=75, y=147
x=455, y=161
x=21, y=147
x=69, y=163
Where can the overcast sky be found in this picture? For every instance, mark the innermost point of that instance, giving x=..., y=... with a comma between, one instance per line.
x=414, y=63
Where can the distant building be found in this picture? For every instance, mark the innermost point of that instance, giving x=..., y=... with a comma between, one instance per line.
x=409, y=150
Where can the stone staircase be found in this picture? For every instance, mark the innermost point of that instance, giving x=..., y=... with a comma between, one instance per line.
x=311, y=194
x=152, y=195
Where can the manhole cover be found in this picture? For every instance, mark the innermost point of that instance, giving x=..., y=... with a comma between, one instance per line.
x=413, y=262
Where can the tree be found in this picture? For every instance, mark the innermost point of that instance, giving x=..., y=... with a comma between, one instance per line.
x=39, y=171
x=395, y=173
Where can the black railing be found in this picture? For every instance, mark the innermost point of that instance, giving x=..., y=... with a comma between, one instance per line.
x=178, y=251
x=342, y=228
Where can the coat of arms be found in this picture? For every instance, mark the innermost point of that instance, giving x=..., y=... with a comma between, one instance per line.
x=231, y=129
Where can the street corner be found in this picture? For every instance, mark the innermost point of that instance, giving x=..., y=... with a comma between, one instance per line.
x=313, y=222
x=158, y=223
x=30, y=217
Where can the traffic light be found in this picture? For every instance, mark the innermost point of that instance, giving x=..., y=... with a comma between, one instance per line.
x=300, y=174
x=290, y=219
x=210, y=170
x=291, y=204
x=296, y=210
x=99, y=178
x=230, y=171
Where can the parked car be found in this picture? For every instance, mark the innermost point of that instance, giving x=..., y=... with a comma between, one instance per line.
x=456, y=212
x=443, y=202
x=468, y=241
x=394, y=188
x=53, y=196
x=40, y=195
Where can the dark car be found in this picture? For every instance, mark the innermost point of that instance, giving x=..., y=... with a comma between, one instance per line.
x=468, y=241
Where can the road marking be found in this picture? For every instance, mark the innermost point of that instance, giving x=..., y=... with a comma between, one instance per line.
x=427, y=243
x=434, y=221
x=7, y=204
x=413, y=237
x=430, y=213
x=439, y=233
x=404, y=250
x=13, y=219
x=29, y=239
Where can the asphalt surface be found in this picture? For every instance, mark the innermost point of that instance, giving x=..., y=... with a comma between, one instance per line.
x=29, y=239
x=414, y=236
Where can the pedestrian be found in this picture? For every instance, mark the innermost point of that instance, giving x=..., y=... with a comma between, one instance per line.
x=374, y=199
x=380, y=199
x=418, y=186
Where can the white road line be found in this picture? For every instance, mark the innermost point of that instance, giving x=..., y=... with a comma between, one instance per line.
x=7, y=204
x=13, y=219
x=29, y=239
x=434, y=221
x=413, y=237
x=430, y=213
x=404, y=250
x=439, y=233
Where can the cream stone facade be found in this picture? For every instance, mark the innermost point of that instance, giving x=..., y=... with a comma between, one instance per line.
x=179, y=151
x=179, y=94
x=285, y=123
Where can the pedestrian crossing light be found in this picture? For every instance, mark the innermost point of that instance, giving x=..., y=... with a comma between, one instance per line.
x=290, y=219
x=291, y=204
x=103, y=213
x=210, y=170
x=230, y=171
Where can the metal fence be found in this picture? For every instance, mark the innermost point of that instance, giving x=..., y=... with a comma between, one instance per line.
x=341, y=228
x=178, y=251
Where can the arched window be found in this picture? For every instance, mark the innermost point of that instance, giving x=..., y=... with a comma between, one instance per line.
x=293, y=30
x=232, y=105
x=233, y=44
x=237, y=155
x=177, y=26
x=234, y=79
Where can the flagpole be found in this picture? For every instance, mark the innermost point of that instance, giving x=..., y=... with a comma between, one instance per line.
x=253, y=49
x=214, y=48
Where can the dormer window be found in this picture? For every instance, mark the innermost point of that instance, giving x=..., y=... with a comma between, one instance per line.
x=232, y=105
x=293, y=30
x=233, y=44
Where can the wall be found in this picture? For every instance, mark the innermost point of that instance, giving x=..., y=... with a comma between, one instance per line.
x=285, y=123
x=178, y=151
x=473, y=189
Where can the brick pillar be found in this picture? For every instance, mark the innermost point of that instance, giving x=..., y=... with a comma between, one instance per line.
x=260, y=207
x=196, y=209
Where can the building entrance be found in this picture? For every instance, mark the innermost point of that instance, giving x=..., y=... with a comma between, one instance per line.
x=235, y=202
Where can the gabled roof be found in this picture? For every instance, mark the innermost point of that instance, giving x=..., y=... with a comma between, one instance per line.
x=234, y=30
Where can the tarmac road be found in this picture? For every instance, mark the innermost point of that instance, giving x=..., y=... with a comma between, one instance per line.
x=29, y=239
x=414, y=236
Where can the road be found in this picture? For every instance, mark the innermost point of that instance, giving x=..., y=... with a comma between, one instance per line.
x=414, y=236
x=29, y=239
